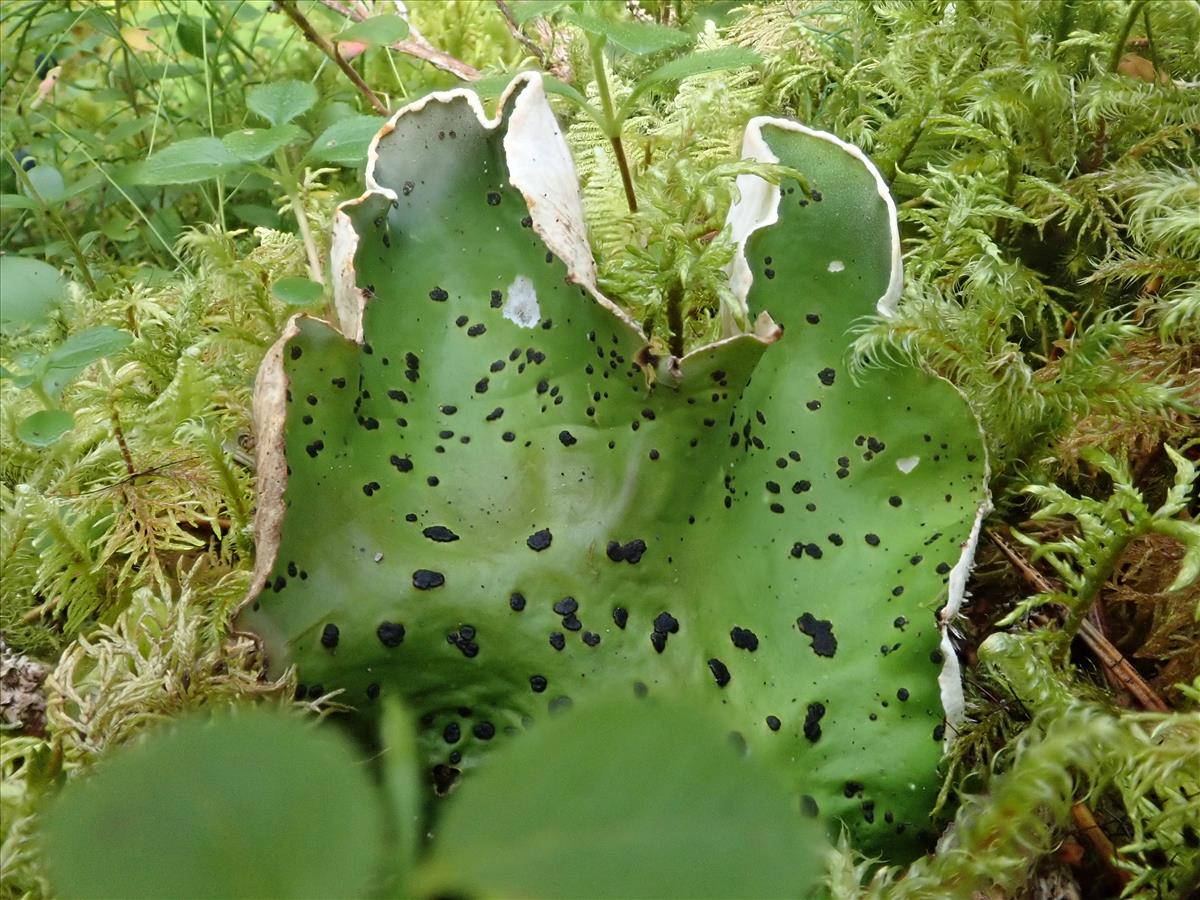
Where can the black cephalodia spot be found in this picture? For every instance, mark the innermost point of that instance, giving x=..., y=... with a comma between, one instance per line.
x=370, y=487
x=773, y=487
x=373, y=690
x=799, y=487
x=915, y=560
x=571, y=622
x=493, y=198
x=566, y=606
x=451, y=734
x=814, y=405
x=280, y=583
x=826, y=376
x=508, y=437
x=296, y=352
x=812, y=318
x=902, y=695
x=620, y=616
x=481, y=386
x=824, y=643
x=898, y=590
x=445, y=434
x=613, y=551
x=527, y=222
x=719, y=671
x=307, y=420
x=427, y=579
x=770, y=273
x=537, y=683
x=868, y=808
x=338, y=382
x=872, y=539
x=329, y=636
x=817, y=197
x=292, y=570
x=368, y=349
x=836, y=539
x=776, y=507
x=517, y=602
x=665, y=623
x=781, y=463
x=370, y=423
x=813, y=550
x=311, y=399
x=440, y=533
x=461, y=321
x=390, y=634
x=939, y=732
x=439, y=295
x=539, y=540
x=851, y=789
x=653, y=455
x=591, y=638
x=773, y=723
x=485, y=731
x=314, y=448
x=476, y=330
x=403, y=463
x=899, y=622
x=398, y=396
x=812, y=721
x=943, y=568
x=566, y=438
x=648, y=414
x=432, y=481
x=557, y=640
x=894, y=500
x=658, y=640
x=744, y=639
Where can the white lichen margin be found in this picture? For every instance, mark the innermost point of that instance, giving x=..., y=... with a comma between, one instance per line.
x=757, y=207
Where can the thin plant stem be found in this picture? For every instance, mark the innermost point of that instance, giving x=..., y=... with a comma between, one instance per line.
x=612, y=123
x=288, y=179
x=1118, y=49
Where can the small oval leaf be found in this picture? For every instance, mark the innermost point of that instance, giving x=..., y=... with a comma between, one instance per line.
x=297, y=291
x=377, y=30
x=252, y=144
x=282, y=101
x=46, y=427
x=29, y=289
x=345, y=143
x=186, y=162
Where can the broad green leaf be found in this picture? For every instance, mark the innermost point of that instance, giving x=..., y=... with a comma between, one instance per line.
x=128, y=129
x=246, y=805
x=281, y=101
x=524, y=10
x=79, y=351
x=555, y=86
x=198, y=38
x=297, y=291
x=254, y=214
x=700, y=62
x=378, y=30
x=20, y=379
x=29, y=289
x=638, y=799
x=345, y=143
x=637, y=37
x=186, y=162
x=48, y=182
x=46, y=427
x=252, y=144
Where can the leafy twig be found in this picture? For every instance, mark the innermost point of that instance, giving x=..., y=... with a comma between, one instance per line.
x=325, y=46
x=415, y=45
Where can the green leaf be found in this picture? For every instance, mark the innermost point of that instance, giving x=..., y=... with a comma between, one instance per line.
x=377, y=30
x=254, y=214
x=281, y=101
x=186, y=162
x=297, y=291
x=46, y=427
x=194, y=36
x=252, y=144
x=700, y=62
x=15, y=201
x=637, y=37
x=29, y=289
x=524, y=10
x=252, y=805
x=49, y=184
x=345, y=143
x=645, y=800
x=78, y=352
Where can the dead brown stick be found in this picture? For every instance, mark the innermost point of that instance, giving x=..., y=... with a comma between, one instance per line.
x=1114, y=663
x=522, y=38
x=1094, y=835
x=415, y=45
x=325, y=46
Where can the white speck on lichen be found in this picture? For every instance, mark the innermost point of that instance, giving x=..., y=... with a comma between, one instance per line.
x=521, y=307
x=836, y=265
x=907, y=464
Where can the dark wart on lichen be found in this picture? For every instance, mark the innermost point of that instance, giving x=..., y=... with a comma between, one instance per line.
x=611, y=516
